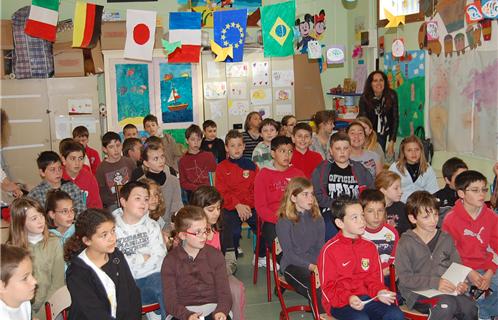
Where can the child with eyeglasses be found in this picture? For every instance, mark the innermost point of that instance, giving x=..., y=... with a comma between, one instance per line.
x=194, y=275
x=60, y=215
x=474, y=229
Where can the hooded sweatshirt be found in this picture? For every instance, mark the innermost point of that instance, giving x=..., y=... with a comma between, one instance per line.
x=417, y=268
x=137, y=240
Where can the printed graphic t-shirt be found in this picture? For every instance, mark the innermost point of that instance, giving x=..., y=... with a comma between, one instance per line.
x=342, y=182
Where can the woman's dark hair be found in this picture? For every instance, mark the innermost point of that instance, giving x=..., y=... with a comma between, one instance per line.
x=368, y=93
x=206, y=196
x=86, y=225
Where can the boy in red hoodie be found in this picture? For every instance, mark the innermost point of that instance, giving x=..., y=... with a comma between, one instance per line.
x=303, y=157
x=81, y=134
x=270, y=185
x=349, y=270
x=234, y=180
x=73, y=153
x=474, y=228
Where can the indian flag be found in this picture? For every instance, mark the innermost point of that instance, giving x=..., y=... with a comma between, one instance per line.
x=42, y=20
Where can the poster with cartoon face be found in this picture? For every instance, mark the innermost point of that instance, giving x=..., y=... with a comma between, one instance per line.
x=309, y=27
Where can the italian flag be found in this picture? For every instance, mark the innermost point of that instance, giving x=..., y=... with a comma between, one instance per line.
x=42, y=20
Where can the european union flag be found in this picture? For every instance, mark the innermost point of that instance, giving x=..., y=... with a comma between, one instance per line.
x=230, y=30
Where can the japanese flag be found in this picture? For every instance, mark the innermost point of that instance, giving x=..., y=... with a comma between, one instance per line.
x=140, y=34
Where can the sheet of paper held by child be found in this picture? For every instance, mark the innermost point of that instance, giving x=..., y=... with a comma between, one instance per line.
x=455, y=274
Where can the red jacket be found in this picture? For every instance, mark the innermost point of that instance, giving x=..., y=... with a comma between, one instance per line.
x=194, y=169
x=306, y=162
x=347, y=268
x=86, y=181
x=474, y=239
x=235, y=184
x=93, y=157
x=269, y=188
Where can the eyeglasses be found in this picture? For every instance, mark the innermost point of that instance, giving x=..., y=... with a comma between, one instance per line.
x=65, y=212
x=199, y=233
x=477, y=190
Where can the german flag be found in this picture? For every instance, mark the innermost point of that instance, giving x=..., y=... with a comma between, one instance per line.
x=87, y=22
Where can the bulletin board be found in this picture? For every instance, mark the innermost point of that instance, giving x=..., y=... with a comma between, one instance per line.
x=232, y=90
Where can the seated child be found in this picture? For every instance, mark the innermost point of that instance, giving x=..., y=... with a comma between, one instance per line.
x=474, y=228
x=130, y=131
x=60, y=215
x=261, y=155
x=448, y=195
x=140, y=239
x=415, y=172
x=195, y=165
x=28, y=230
x=50, y=168
x=114, y=171
x=389, y=183
x=350, y=272
x=81, y=134
x=132, y=148
x=367, y=158
x=220, y=237
x=251, y=133
x=17, y=284
x=155, y=168
x=191, y=266
x=72, y=153
x=211, y=142
x=171, y=150
x=269, y=188
x=287, y=125
x=423, y=255
x=303, y=158
x=301, y=233
x=383, y=235
x=338, y=176
x=98, y=277
x=234, y=180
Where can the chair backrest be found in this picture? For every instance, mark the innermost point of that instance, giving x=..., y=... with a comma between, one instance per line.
x=57, y=303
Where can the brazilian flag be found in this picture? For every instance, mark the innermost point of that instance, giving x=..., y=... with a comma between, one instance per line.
x=277, y=22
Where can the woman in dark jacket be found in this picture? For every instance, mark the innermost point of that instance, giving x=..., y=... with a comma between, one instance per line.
x=379, y=104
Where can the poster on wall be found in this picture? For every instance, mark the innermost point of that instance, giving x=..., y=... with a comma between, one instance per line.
x=407, y=78
x=176, y=92
x=207, y=7
x=132, y=93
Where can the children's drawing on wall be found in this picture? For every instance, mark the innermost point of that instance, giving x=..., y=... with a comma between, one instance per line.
x=238, y=107
x=407, y=77
x=260, y=73
x=452, y=13
x=207, y=7
x=176, y=92
x=132, y=93
x=215, y=90
x=260, y=96
x=309, y=27
x=283, y=95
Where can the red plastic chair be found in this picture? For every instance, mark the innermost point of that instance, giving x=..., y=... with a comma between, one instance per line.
x=409, y=314
x=281, y=285
x=58, y=303
x=259, y=224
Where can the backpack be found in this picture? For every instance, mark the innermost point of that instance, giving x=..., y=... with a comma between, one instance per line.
x=33, y=57
x=427, y=143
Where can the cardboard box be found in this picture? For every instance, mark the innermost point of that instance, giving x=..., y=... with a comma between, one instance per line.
x=6, y=36
x=98, y=59
x=68, y=61
x=113, y=35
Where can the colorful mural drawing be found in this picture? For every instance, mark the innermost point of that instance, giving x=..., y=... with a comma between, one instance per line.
x=132, y=93
x=407, y=77
x=176, y=92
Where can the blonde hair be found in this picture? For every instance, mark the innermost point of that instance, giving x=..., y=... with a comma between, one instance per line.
x=385, y=179
x=371, y=139
x=287, y=208
x=161, y=206
x=401, y=164
x=18, y=236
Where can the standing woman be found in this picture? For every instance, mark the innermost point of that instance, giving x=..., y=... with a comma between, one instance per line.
x=379, y=104
x=251, y=133
x=324, y=122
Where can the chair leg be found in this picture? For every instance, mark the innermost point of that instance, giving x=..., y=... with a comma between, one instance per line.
x=268, y=276
x=256, y=252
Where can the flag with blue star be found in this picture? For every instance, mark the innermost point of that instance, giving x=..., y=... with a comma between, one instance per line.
x=277, y=23
x=229, y=27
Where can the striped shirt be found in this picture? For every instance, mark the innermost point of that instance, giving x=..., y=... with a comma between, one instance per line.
x=250, y=144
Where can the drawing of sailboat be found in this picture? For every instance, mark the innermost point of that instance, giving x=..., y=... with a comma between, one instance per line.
x=174, y=96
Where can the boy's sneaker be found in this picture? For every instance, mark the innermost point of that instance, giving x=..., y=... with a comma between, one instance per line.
x=240, y=253
x=262, y=263
x=153, y=316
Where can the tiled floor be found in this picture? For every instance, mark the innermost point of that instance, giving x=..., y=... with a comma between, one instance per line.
x=257, y=306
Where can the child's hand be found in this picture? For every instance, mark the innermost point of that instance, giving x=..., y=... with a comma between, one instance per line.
x=476, y=279
x=386, y=272
x=386, y=296
x=486, y=280
x=462, y=287
x=244, y=211
x=220, y=316
x=356, y=303
x=312, y=267
x=194, y=316
x=446, y=286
